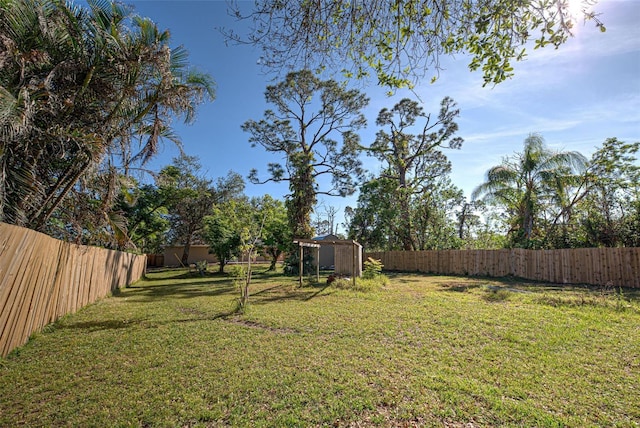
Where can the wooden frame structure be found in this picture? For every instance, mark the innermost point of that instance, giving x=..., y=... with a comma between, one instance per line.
x=310, y=243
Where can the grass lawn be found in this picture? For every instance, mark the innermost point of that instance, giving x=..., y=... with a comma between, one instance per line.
x=421, y=351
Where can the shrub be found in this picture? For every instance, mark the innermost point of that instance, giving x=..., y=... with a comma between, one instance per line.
x=372, y=268
x=237, y=271
x=361, y=284
x=496, y=294
x=202, y=266
x=608, y=299
x=239, y=275
x=291, y=265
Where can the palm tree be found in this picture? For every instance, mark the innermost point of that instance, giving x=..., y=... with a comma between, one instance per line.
x=82, y=92
x=527, y=183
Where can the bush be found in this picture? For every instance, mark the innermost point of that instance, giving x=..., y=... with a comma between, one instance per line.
x=362, y=284
x=496, y=294
x=605, y=298
x=237, y=271
x=201, y=267
x=292, y=264
x=372, y=268
x=239, y=275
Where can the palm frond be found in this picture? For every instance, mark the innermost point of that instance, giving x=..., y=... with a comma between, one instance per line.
x=118, y=224
x=204, y=81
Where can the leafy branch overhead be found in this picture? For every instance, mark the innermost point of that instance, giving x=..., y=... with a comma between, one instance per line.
x=400, y=41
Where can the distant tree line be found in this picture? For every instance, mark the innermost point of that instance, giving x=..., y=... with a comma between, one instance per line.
x=538, y=199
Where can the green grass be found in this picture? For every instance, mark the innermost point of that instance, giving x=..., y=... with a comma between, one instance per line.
x=420, y=351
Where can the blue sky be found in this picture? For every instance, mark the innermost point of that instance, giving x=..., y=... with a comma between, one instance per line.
x=576, y=96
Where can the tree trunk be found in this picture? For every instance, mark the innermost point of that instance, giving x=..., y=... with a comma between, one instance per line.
x=185, y=252
x=463, y=219
x=274, y=259
x=406, y=228
x=302, y=200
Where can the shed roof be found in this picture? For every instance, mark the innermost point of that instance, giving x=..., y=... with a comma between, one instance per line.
x=327, y=241
x=329, y=237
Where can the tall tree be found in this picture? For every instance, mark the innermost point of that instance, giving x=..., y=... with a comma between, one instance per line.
x=224, y=228
x=220, y=232
x=324, y=222
x=310, y=114
x=276, y=234
x=144, y=207
x=376, y=221
x=82, y=92
x=468, y=219
x=193, y=197
x=609, y=215
x=527, y=183
x=434, y=216
x=373, y=221
x=243, y=223
x=400, y=40
x=90, y=213
x=412, y=161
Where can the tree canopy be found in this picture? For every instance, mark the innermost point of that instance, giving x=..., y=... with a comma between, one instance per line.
x=609, y=213
x=413, y=165
x=86, y=94
x=193, y=197
x=310, y=119
x=528, y=184
x=400, y=41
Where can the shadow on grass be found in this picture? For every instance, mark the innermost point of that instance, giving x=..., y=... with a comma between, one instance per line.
x=99, y=325
x=320, y=288
x=180, y=284
x=104, y=325
x=458, y=287
x=281, y=287
x=167, y=274
x=519, y=285
x=184, y=290
x=266, y=273
x=281, y=293
x=178, y=274
x=405, y=277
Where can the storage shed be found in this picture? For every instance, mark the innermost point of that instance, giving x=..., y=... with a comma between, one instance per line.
x=327, y=252
x=347, y=254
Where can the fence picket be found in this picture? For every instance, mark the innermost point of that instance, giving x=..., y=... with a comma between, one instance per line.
x=594, y=266
x=42, y=279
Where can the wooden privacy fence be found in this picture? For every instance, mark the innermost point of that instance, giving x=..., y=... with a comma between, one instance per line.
x=619, y=267
x=42, y=279
x=155, y=260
